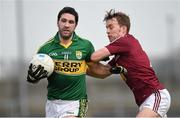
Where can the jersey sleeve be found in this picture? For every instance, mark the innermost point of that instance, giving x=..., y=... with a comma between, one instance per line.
x=90, y=49
x=43, y=48
x=119, y=46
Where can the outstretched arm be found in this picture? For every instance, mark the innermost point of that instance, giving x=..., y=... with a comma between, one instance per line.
x=98, y=70
x=100, y=54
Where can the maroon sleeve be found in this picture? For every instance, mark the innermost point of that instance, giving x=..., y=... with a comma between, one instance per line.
x=119, y=46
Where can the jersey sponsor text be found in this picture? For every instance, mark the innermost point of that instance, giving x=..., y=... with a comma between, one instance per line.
x=70, y=67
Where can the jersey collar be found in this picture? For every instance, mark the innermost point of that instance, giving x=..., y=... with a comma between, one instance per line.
x=119, y=38
x=57, y=40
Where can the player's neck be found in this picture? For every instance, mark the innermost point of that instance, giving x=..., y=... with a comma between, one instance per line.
x=65, y=41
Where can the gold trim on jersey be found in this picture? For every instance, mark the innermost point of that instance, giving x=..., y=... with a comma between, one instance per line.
x=49, y=41
x=66, y=45
x=70, y=67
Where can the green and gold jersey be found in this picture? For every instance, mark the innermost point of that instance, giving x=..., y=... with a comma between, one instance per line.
x=68, y=79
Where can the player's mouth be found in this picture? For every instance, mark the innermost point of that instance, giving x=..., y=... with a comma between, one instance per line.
x=66, y=32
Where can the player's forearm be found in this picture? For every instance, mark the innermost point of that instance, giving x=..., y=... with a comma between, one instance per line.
x=99, y=71
x=96, y=57
x=96, y=75
x=100, y=54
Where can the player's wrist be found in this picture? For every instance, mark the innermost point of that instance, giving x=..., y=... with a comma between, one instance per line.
x=118, y=70
x=105, y=59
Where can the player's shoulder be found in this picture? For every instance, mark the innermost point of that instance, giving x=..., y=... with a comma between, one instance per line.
x=46, y=45
x=85, y=41
x=128, y=39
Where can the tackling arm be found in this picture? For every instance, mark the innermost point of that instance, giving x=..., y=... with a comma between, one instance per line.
x=100, y=54
x=98, y=70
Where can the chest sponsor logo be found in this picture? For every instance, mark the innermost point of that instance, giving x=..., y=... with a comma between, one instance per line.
x=70, y=67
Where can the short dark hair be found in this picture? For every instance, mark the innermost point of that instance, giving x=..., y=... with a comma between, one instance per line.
x=69, y=10
x=121, y=17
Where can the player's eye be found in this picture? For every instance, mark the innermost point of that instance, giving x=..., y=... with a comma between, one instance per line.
x=63, y=20
x=110, y=27
x=71, y=22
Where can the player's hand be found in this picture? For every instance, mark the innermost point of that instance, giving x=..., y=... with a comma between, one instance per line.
x=36, y=75
x=105, y=59
x=118, y=70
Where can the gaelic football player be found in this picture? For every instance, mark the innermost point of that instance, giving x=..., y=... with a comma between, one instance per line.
x=150, y=95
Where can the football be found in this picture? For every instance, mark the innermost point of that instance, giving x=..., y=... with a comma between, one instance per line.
x=43, y=60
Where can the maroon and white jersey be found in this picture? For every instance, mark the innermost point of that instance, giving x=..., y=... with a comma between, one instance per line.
x=141, y=77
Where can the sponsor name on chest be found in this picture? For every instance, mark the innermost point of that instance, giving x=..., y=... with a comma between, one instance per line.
x=74, y=67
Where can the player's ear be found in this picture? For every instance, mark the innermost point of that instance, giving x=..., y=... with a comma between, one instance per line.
x=57, y=23
x=124, y=29
x=76, y=25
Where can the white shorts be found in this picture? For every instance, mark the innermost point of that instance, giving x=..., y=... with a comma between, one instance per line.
x=159, y=102
x=62, y=108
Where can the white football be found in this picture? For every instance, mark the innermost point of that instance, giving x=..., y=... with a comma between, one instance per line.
x=43, y=60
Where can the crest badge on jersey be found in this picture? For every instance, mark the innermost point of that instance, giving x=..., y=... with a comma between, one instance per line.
x=78, y=54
